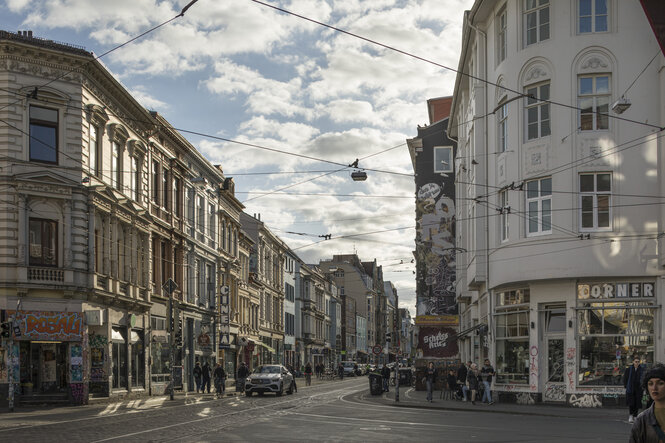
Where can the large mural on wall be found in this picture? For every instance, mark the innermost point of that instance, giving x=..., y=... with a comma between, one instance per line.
x=435, y=253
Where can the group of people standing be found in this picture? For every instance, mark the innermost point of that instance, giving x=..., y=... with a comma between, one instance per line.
x=471, y=380
x=202, y=378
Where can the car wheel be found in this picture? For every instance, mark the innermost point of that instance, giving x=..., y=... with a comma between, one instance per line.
x=248, y=393
x=281, y=390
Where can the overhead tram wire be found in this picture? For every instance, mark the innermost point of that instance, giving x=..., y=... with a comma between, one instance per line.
x=448, y=68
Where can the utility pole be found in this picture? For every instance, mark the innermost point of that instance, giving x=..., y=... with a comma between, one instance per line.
x=169, y=287
x=397, y=340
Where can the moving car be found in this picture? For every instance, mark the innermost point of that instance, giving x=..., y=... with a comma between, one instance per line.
x=349, y=368
x=269, y=378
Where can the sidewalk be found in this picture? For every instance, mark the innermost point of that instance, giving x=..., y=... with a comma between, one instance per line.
x=410, y=398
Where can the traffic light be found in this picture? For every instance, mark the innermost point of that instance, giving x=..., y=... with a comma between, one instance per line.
x=5, y=330
x=388, y=336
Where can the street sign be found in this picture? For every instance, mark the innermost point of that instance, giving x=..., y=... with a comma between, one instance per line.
x=377, y=349
x=170, y=286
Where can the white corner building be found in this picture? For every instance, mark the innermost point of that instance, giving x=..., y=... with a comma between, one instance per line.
x=558, y=110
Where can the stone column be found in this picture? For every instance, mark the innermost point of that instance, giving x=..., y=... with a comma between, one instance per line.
x=67, y=234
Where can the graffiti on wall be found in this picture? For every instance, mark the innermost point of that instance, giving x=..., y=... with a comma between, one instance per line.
x=435, y=253
x=76, y=363
x=97, y=340
x=524, y=398
x=533, y=368
x=42, y=325
x=570, y=368
x=77, y=391
x=585, y=401
x=554, y=392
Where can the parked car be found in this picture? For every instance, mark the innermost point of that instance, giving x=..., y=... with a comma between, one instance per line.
x=349, y=368
x=269, y=378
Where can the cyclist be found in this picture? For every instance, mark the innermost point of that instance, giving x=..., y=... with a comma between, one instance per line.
x=219, y=376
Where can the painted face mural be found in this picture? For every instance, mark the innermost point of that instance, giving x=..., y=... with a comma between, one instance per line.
x=434, y=250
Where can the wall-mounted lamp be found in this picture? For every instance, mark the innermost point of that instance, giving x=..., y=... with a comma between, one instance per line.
x=533, y=325
x=570, y=323
x=621, y=105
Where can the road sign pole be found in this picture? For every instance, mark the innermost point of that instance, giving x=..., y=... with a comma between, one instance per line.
x=171, y=342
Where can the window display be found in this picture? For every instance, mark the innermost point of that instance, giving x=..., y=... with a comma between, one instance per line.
x=512, y=337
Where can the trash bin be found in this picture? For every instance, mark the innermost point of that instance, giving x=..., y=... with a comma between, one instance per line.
x=405, y=376
x=375, y=384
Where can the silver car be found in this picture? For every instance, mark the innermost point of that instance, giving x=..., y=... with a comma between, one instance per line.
x=270, y=378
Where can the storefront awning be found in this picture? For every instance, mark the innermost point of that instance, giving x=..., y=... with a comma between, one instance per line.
x=470, y=330
x=266, y=346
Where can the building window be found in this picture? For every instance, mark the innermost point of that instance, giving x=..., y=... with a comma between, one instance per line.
x=155, y=182
x=119, y=357
x=592, y=16
x=504, y=212
x=165, y=188
x=537, y=111
x=512, y=337
x=135, y=179
x=536, y=20
x=201, y=219
x=615, y=321
x=43, y=242
x=94, y=146
x=189, y=196
x=595, y=201
x=177, y=197
x=116, y=167
x=211, y=224
x=43, y=134
x=539, y=206
x=594, y=102
x=443, y=159
x=138, y=359
x=502, y=129
x=501, y=36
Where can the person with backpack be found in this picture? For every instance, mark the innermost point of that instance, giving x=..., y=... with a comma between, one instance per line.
x=219, y=375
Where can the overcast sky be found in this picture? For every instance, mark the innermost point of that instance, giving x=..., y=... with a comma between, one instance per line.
x=243, y=71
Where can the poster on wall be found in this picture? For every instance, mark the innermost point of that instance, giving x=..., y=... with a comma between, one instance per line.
x=76, y=362
x=435, y=251
x=438, y=342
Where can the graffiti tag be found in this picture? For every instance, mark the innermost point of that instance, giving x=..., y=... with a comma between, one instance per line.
x=585, y=401
x=524, y=398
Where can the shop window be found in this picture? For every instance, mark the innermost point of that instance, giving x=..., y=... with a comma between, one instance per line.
x=43, y=242
x=615, y=322
x=138, y=359
x=119, y=357
x=43, y=135
x=512, y=337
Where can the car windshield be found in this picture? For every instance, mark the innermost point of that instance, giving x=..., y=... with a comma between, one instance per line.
x=267, y=370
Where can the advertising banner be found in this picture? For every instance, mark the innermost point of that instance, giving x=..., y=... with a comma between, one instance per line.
x=438, y=342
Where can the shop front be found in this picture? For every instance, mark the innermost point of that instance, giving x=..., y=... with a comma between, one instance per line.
x=572, y=350
x=51, y=353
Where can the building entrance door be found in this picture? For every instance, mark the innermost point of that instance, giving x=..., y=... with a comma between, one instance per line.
x=555, y=329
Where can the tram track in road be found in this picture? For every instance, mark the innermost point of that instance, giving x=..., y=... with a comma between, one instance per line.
x=280, y=406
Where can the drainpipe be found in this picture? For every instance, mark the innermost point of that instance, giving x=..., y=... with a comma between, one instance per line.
x=487, y=229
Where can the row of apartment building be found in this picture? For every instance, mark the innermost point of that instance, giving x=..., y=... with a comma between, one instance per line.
x=127, y=257
x=554, y=141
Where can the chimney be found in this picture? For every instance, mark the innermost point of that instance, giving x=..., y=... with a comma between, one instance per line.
x=29, y=34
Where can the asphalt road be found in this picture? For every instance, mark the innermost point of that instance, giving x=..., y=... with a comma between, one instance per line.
x=339, y=411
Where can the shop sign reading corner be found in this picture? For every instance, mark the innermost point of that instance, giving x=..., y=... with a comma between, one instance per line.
x=615, y=290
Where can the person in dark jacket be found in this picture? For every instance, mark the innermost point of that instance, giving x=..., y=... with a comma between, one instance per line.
x=219, y=375
x=385, y=373
x=472, y=382
x=430, y=379
x=197, y=376
x=308, y=374
x=452, y=384
x=461, y=379
x=632, y=381
x=205, y=377
x=486, y=374
x=243, y=373
x=648, y=426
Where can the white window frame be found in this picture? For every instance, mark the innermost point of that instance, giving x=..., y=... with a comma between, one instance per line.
x=600, y=103
x=540, y=200
x=542, y=109
x=134, y=178
x=444, y=168
x=594, y=15
x=502, y=126
x=535, y=9
x=595, y=196
x=94, y=145
x=501, y=35
x=504, y=207
x=115, y=165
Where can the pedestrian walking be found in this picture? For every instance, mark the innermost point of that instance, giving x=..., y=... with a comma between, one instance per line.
x=385, y=373
x=486, y=374
x=462, y=373
x=308, y=374
x=243, y=373
x=205, y=377
x=430, y=379
x=632, y=381
x=197, y=376
x=648, y=426
x=472, y=382
x=219, y=375
x=340, y=370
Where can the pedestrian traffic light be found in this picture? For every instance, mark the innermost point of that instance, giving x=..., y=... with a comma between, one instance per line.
x=5, y=329
x=388, y=336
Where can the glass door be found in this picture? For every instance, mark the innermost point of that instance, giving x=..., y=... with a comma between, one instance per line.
x=555, y=323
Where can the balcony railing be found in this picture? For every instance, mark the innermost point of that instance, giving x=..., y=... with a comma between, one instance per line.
x=46, y=274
